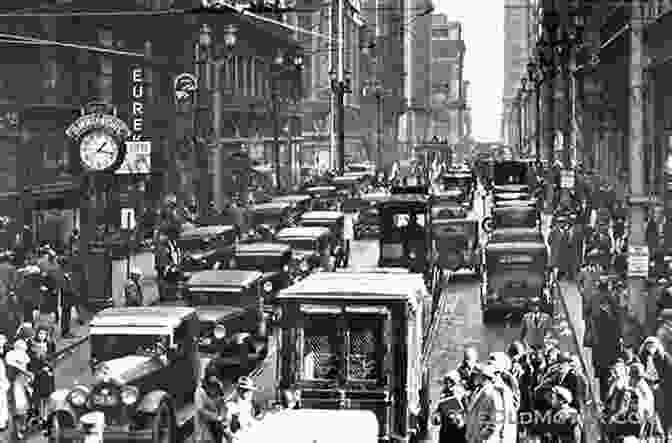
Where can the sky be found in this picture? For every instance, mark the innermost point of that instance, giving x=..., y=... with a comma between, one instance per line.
x=483, y=28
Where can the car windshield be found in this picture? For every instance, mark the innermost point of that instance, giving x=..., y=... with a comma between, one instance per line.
x=262, y=263
x=265, y=218
x=226, y=297
x=304, y=244
x=511, y=174
x=107, y=347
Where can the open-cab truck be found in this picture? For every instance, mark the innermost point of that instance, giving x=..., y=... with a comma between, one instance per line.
x=353, y=340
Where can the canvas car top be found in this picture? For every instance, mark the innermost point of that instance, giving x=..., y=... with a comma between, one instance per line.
x=516, y=246
x=293, y=198
x=262, y=248
x=321, y=189
x=322, y=215
x=515, y=234
x=149, y=316
x=205, y=231
x=349, y=285
x=314, y=425
x=271, y=206
x=223, y=278
x=303, y=232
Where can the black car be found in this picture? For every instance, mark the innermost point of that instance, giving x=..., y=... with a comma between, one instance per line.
x=308, y=244
x=274, y=260
x=205, y=246
x=273, y=215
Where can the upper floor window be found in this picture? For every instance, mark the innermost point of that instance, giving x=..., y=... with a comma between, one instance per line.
x=51, y=74
x=105, y=37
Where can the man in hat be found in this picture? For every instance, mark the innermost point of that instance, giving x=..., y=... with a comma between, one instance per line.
x=466, y=368
x=486, y=413
x=565, y=427
x=450, y=409
x=536, y=325
x=133, y=288
x=239, y=412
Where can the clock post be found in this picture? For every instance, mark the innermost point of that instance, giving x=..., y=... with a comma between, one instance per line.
x=98, y=137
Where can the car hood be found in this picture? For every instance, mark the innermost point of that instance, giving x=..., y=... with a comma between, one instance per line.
x=126, y=369
x=217, y=313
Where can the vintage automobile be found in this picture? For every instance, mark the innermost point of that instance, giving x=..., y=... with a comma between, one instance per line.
x=137, y=354
x=367, y=224
x=202, y=247
x=323, y=197
x=513, y=176
x=515, y=235
x=300, y=203
x=273, y=216
x=521, y=216
x=514, y=273
x=232, y=298
x=457, y=244
x=275, y=260
x=358, y=341
x=464, y=181
x=313, y=425
x=308, y=244
x=443, y=210
x=406, y=235
x=334, y=220
x=350, y=181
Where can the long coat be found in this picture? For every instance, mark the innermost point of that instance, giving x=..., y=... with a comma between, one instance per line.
x=484, y=418
x=207, y=411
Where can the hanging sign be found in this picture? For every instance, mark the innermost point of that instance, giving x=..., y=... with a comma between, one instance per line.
x=638, y=261
x=127, y=218
x=567, y=179
x=138, y=149
x=185, y=85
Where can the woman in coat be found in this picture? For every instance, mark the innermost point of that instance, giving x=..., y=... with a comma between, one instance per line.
x=209, y=401
x=657, y=372
x=20, y=392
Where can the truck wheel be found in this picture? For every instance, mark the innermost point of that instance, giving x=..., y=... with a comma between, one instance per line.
x=163, y=425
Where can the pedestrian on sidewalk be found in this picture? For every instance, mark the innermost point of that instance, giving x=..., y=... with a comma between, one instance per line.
x=133, y=289
x=4, y=395
x=450, y=410
x=20, y=378
x=536, y=325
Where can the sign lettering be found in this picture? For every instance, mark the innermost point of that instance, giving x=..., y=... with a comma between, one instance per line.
x=138, y=92
x=88, y=122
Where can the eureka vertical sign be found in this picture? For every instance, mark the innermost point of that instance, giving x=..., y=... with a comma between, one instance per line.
x=138, y=93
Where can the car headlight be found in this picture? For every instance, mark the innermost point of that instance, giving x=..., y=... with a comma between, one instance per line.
x=412, y=255
x=219, y=332
x=232, y=263
x=129, y=395
x=304, y=266
x=77, y=396
x=268, y=286
x=285, y=268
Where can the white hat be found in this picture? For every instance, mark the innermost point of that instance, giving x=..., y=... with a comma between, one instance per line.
x=17, y=359
x=135, y=271
x=20, y=345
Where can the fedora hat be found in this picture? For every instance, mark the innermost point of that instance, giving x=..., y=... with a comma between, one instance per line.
x=246, y=383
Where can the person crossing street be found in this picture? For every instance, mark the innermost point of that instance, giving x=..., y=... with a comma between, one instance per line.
x=536, y=325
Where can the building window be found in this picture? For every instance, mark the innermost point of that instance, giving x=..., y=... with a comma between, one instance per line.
x=105, y=38
x=105, y=76
x=51, y=74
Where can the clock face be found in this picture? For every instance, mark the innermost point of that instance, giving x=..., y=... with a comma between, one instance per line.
x=99, y=150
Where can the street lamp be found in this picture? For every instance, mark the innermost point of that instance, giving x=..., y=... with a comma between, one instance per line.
x=281, y=64
x=340, y=87
x=203, y=59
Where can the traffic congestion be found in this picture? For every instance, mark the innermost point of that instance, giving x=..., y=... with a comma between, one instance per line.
x=442, y=304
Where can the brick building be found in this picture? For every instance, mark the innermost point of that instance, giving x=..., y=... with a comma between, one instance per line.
x=44, y=87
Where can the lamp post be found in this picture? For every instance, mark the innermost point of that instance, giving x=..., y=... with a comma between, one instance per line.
x=340, y=87
x=535, y=75
x=203, y=59
x=281, y=65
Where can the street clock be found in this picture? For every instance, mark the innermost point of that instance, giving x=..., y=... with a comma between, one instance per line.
x=99, y=151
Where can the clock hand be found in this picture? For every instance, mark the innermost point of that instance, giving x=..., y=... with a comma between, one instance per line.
x=101, y=147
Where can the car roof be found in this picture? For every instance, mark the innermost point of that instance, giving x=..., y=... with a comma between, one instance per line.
x=149, y=316
x=322, y=215
x=224, y=278
x=513, y=232
x=265, y=248
x=357, y=285
x=303, y=231
x=292, y=198
x=516, y=246
x=327, y=188
x=203, y=231
x=271, y=205
x=514, y=207
x=458, y=174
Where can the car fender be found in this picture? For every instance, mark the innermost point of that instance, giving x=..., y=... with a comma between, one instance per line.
x=151, y=401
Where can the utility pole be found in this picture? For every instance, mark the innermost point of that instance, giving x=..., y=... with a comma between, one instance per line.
x=638, y=299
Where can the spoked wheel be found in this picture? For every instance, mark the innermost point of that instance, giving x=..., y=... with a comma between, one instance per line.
x=163, y=425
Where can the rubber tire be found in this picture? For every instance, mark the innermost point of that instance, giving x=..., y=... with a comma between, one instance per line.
x=56, y=424
x=156, y=420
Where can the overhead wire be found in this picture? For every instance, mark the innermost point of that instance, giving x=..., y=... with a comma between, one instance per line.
x=19, y=39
